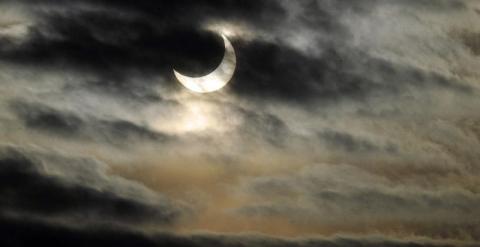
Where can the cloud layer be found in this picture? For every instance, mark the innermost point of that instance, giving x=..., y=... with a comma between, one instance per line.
x=354, y=123
x=49, y=185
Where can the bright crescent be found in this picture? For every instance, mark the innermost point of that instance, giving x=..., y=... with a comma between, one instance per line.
x=216, y=79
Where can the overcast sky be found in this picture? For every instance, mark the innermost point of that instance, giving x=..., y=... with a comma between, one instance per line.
x=347, y=123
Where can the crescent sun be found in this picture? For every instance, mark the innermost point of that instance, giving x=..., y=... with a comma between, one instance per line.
x=216, y=79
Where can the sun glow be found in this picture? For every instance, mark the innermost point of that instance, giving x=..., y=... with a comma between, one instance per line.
x=196, y=116
x=230, y=30
x=196, y=119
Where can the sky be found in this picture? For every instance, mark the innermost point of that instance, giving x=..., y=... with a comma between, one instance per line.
x=346, y=123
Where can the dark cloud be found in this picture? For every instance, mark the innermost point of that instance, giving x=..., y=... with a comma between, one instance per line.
x=347, y=142
x=329, y=192
x=23, y=232
x=366, y=6
x=26, y=232
x=124, y=92
x=68, y=124
x=87, y=42
x=265, y=125
x=366, y=202
x=115, y=42
x=271, y=70
x=48, y=185
x=48, y=119
x=472, y=41
x=189, y=12
x=442, y=5
x=117, y=46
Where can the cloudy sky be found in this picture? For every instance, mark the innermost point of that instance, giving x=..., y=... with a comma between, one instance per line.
x=347, y=123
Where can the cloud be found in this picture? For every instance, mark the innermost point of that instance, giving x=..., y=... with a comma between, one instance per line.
x=27, y=232
x=274, y=71
x=323, y=194
x=81, y=39
x=68, y=124
x=48, y=185
x=349, y=143
x=472, y=41
x=262, y=125
x=377, y=94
